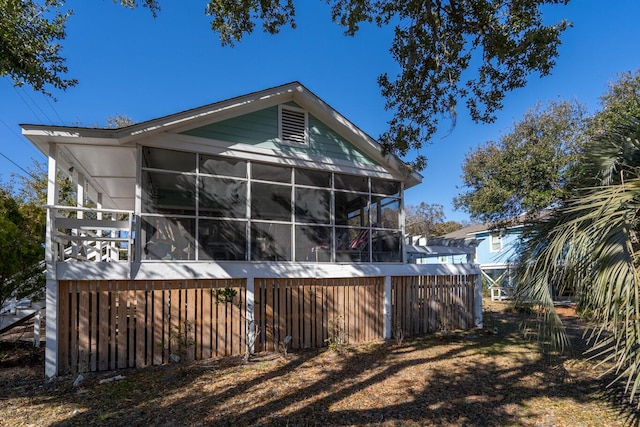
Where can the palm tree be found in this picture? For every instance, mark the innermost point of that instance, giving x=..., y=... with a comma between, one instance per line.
x=591, y=242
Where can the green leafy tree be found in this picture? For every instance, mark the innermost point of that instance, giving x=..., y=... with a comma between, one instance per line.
x=435, y=42
x=590, y=243
x=621, y=100
x=447, y=227
x=30, y=33
x=21, y=250
x=527, y=169
x=428, y=220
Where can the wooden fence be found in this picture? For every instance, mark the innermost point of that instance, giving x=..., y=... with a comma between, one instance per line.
x=106, y=325
x=118, y=324
x=310, y=310
x=423, y=304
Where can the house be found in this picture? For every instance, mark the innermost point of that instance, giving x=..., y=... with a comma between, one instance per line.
x=496, y=253
x=441, y=250
x=232, y=226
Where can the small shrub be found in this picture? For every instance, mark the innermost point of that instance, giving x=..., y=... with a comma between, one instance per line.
x=283, y=346
x=337, y=340
x=226, y=295
x=398, y=333
x=180, y=341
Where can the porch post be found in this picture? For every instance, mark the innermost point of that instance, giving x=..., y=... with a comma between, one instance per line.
x=51, y=293
x=80, y=192
x=403, y=227
x=387, y=308
x=139, y=240
x=80, y=189
x=250, y=316
x=99, y=232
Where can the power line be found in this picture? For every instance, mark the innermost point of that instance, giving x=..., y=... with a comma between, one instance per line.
x=46, y=98
x=18, y=166
x=27, y=104
x=20, y=137
x=37, y=106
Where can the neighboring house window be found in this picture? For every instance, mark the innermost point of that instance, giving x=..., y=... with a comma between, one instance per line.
x=495, y=240
x=293, y=127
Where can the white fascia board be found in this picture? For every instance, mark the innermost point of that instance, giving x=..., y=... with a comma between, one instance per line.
x=183, y=120
x=210, y=113
x=432, y=250
x=41, y=135
x=163, y=270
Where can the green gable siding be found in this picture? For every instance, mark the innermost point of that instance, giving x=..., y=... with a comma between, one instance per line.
x=260, y=129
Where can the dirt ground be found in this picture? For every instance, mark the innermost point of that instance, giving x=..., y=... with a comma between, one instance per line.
x=459, y=378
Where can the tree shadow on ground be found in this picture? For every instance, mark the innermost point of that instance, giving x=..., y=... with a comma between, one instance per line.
x=464, y=378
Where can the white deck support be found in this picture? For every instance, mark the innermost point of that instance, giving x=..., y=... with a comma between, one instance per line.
x=51, y=351
x=250, y=315
x=99, y=232
x=137, y=254
x=388, y=331
x=36, y=328
x=80, y=190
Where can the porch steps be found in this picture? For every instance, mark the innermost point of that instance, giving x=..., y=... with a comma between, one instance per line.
x=23, y=313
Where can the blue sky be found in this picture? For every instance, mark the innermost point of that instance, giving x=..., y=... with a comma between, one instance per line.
x=129, y=63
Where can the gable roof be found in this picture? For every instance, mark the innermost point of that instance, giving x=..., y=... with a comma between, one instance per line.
x=106, y=157
x=515, y=223
x=467, y=232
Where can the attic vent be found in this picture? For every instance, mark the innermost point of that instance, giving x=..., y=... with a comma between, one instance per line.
x=293, y=125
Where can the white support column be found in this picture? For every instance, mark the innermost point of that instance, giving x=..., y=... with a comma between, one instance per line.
x=99, y=245
x=403, y=229
x=388, y=332
x=36, y=329
x=51, y=298
x=137, y=255
x=250, y=315
x=80, y=192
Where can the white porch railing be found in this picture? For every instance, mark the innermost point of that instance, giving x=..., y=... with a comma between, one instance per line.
x=92, y=234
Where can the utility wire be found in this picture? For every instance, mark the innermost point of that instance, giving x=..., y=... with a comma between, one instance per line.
x=46, y=98
x=37, y=106
x=18, y=166
x=21, y=138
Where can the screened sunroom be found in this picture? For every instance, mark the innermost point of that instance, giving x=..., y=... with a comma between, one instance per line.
x=204, y=207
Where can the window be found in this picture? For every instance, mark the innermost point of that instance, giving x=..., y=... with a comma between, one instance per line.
x=209, y=208
x=293, y=125
x=495, y=242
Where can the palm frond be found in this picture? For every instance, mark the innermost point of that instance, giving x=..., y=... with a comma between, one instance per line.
x=592, y=244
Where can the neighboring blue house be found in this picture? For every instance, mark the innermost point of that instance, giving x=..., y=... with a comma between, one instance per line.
x=494, y=251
